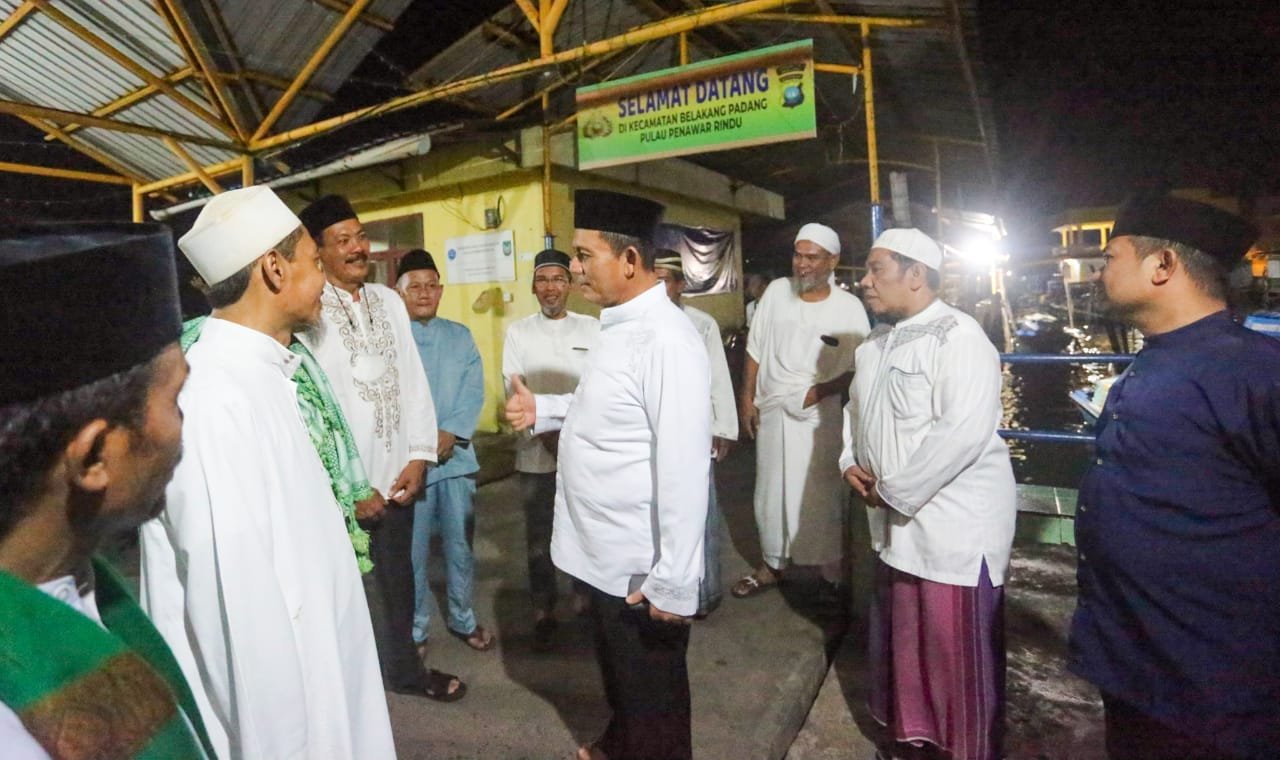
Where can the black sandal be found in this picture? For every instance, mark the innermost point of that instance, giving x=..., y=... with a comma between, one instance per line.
x=438, y=686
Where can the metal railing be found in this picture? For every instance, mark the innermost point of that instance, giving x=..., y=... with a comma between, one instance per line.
x=1057, y=436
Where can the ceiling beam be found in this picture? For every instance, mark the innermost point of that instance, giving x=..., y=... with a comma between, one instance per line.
x=46, y=171
x=83, y=147
x=192, y=165
x=840, y=19
x=132, y=66
x=193, y=49
x=16, y=17
x=59, y=116
x=368, y=18
x=233, y=62
x=512, y=38
x=129, y=98
x=530, y=13
x=317, y=59
x=277, y=83
x=669, y=27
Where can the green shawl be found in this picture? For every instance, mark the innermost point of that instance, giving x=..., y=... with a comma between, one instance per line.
x=329, y=433
x=82, y=691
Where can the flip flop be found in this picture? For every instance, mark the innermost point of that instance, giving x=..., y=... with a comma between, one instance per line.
x=749, y=585
x=479, y=639
x=438, y=686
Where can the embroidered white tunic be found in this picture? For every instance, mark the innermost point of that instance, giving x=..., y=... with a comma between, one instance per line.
x=366, y=348
x=550, y=354
x=922, y=416
x=248, y=573
x=724, y=408
x=798, y=506
x=634, y=456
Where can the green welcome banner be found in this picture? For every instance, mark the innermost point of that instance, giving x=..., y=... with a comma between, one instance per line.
x=761, y=96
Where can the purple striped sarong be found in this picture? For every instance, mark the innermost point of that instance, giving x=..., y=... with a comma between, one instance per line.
x=938, y=663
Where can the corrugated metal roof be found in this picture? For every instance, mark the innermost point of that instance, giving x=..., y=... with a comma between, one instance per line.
x=921, y=90
x=44, y=63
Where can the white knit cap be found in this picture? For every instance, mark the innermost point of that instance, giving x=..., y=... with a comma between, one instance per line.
x=235, y=228
x=913, y=244
x=820, y=234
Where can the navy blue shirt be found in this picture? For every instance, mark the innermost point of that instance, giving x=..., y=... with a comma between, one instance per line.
x=1178, y=529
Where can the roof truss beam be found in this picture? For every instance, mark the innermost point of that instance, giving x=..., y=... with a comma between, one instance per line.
x=368, y=18
x=317, y=59
x=133, y=67
x=130, y=98
x=59, y=116
x=198, y=60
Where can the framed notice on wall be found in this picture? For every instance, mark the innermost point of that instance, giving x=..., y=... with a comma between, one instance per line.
x=486, y=257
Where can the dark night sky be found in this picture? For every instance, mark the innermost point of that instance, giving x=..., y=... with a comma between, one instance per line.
x=1095, y=99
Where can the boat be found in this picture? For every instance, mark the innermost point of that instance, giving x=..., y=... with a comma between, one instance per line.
x=1090, y=401
x=1040, y=333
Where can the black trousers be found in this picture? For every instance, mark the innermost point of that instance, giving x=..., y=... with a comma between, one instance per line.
x=646, y=682
x=389, y=588
x=539, y=510
x=1132, y=735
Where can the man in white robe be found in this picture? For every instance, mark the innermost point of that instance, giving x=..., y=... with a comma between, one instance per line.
x=549, y=350
x=365, y=345
x=799, y=362
x=631, y=490
x=920, y=446
x=249, y=573
x=724, y=418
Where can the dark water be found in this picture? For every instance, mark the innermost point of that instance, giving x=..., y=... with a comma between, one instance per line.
x=1035, y=397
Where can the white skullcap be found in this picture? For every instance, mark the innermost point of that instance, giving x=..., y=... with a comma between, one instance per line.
x=820, y=234
x=913, y=244
x=235, y=228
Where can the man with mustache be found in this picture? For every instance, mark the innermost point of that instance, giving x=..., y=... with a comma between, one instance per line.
x=249, y=573
x=798, y=365
x=920, y=447
x=364, y=343
x=90, y=432
x=549, y=350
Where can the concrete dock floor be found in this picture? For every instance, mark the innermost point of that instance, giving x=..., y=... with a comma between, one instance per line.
x=757, y=666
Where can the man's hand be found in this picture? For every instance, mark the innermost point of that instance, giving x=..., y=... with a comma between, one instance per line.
x=863, y=482
x=520, y=410
x=812, y=396
x=720, y=448
x=409, y=484
x=444, y=446
x=637, y=596
x=749, y=417
x=372, y=507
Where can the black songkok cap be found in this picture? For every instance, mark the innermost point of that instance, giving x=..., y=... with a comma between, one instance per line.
x=324, y=212
x=1224, y=236
x=82, y=301
x=615, y=212
x=551, y=258
x=415, y=260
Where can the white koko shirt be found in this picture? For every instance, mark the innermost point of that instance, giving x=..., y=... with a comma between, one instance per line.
x=724, y=409
x=550, y=354
x=635, y=443
x=922, y=417
x=367, y=350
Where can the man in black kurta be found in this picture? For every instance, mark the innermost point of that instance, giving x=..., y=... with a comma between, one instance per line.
x=1178, y=524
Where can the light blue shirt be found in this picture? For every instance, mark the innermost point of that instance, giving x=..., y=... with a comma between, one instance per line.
x=456, y=376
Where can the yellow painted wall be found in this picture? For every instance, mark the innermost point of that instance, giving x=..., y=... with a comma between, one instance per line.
x=452, y=187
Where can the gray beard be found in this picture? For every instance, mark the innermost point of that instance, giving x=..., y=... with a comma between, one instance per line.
x=808, y=284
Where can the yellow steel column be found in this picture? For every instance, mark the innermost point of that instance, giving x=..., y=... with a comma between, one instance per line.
x=869, y=105
x=137, y=202
x=246, y=171
x=546, y=44
x=684, y=48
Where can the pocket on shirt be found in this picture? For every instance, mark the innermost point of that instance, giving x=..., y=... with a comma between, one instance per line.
x=909, y=394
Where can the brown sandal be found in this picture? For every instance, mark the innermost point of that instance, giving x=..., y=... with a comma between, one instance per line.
x=480, y=639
